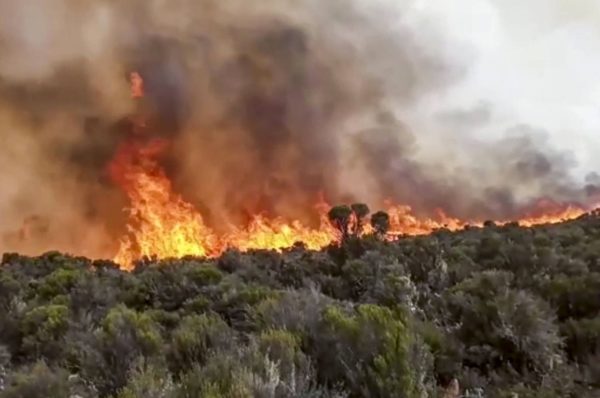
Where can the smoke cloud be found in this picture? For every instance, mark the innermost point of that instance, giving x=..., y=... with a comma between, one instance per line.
x=267, y=105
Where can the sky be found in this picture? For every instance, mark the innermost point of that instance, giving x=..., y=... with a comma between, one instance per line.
x=531, y=62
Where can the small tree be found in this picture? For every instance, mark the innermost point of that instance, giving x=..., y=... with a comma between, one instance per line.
x=361, y=211
x=340, y=217
x=381, y=223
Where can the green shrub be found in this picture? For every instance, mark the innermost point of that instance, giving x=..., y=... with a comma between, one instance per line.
x=37, y=381
x=503, y=310
x=573, y=297
x=195, y=338
x=148, y=380
x=283, y=348
x=43, y=328
x=60, y=282
x=204, y=275
x=582, y=338
x=123, y=322
x=106, y=357
x=219, y=378
x=371, y=352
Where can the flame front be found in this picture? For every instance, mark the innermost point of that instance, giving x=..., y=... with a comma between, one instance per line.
x=162, y=224
x=265, y=233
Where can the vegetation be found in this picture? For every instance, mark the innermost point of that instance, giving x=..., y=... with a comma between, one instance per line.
x=497, y=311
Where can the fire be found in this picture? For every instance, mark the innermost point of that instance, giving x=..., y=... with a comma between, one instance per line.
x=404, y=222
x=264, y=233
x=137, y=85
x=162, y=224
x=547, y=212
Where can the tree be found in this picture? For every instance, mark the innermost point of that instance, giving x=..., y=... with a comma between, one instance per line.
x=340, y=217
x=360, y=211
x=381, y=223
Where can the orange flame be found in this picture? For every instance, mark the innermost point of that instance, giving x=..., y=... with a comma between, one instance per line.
x=162, y=224
x=277, y=234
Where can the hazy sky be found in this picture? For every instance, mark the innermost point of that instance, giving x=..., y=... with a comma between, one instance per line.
x=533, y=62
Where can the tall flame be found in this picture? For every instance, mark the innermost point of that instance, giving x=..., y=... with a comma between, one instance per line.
x=162, y=224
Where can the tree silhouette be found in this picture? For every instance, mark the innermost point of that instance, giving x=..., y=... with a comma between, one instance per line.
x=381, y=223
x=361, y=211
x=340, y=217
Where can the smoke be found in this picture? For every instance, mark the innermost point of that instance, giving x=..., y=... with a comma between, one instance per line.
x=267, y=105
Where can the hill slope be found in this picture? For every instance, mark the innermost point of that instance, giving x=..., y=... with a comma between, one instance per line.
x=500, y=310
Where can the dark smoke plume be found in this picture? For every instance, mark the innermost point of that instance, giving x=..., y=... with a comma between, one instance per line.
x=267, y=105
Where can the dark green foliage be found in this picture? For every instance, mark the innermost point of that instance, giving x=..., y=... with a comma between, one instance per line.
x=43, y=328
x=505, y=311
x=195, y=339
x=582, y=344
x=204, y=275
x=370, y=352
x=37, y=381
x=360, y=212
x=148, y=380
x=380, y=222
x=283, y=347
x=59, y=282
x=105, y=355
x=340, y=217
x=577, y=296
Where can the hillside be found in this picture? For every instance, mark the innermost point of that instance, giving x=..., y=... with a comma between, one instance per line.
x=493, y=312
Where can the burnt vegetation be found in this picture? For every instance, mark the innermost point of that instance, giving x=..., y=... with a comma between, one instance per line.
x=496, y=311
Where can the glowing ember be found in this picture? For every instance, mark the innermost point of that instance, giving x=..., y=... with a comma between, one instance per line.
x=163, y=224
x=137, y=85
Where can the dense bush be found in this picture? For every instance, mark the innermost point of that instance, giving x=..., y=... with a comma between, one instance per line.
x=498, y=311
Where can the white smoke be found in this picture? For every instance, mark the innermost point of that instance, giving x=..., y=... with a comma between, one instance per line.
x=530, y=62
